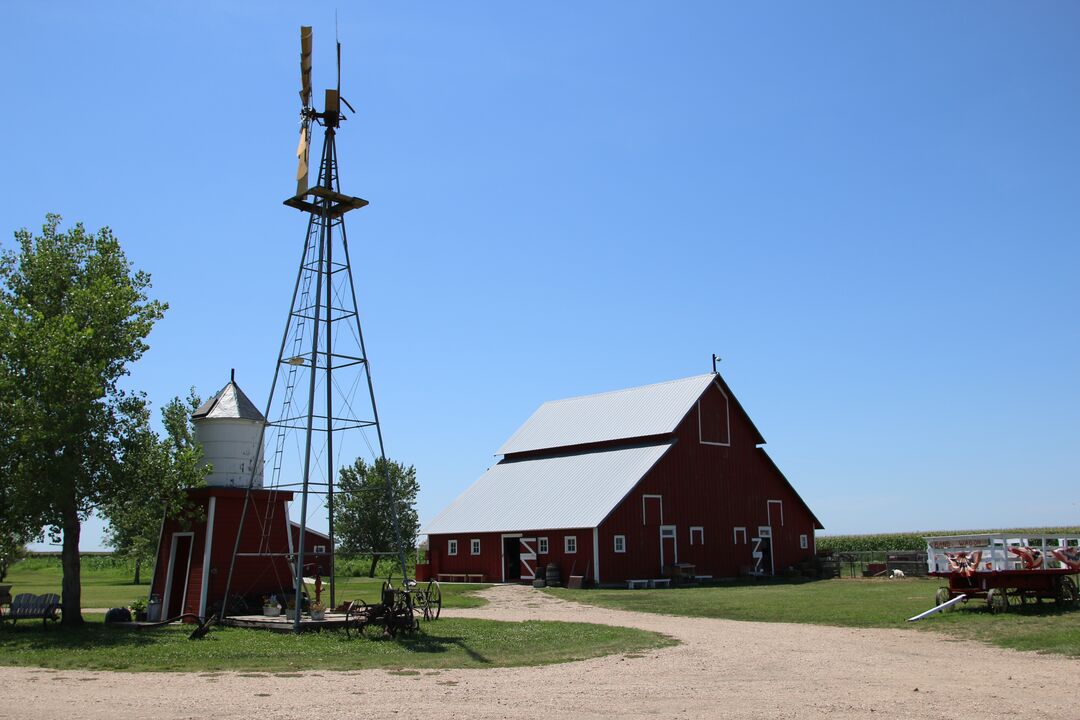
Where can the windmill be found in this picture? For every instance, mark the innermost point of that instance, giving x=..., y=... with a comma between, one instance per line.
x=314, y=413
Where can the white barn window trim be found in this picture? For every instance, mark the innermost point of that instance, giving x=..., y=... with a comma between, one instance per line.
x=570, y=544
x=451, y=547
x=700, y=532
x=474, y=546
x=542, y=545
x=804, y=542
x=740, y=531
x=620, y=543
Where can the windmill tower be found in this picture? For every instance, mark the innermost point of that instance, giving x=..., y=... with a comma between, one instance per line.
x=321, y=412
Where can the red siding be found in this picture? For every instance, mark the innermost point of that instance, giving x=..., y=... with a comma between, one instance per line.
x=716, y=487
x=489, y=562
x=253, y=576
x=709, y=486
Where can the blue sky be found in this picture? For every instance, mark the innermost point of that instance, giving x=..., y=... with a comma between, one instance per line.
x=870, y=211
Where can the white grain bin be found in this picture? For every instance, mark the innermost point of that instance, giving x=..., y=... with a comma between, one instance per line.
x=228, y=426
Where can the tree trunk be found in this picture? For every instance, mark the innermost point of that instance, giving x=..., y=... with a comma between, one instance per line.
x=374, y=562
x=138, y=566
x=72, y=584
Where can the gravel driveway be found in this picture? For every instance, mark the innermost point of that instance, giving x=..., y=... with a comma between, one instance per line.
x=721, y=669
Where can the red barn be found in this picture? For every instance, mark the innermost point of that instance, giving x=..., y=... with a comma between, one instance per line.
x=194, y=555
x=623, y=485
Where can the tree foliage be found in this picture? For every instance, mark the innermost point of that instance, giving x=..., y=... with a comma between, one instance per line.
x=363, y=522
x=156, y=473
x=74, y=315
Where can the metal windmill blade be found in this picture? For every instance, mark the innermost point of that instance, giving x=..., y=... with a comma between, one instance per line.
x=303, y=148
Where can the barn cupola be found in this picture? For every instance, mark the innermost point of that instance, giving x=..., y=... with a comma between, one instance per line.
x=229, y=428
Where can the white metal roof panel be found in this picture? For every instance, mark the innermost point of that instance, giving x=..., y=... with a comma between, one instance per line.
x=634, y=412
x=569, y=491
x=229, y=402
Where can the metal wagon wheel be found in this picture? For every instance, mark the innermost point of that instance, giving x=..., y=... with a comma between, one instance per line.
x=356, y=618
x=1067, y=593
x=433, y=600
x=996, y=600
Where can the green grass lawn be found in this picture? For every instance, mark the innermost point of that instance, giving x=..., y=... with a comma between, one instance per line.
x=102, y=587
x=445, y=643
x=106, y=587
x=852, y=603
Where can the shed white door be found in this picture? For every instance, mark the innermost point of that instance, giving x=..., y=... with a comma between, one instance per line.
x=528, y=558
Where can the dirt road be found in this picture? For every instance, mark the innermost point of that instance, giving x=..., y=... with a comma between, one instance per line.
x=721, y=669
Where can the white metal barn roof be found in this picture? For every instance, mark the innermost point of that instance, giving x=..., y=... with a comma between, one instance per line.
x=571, y=491
x=634, y=412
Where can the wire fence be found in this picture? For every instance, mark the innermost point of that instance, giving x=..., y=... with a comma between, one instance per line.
x=875, y=563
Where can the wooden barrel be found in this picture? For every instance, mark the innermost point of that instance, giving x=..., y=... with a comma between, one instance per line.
x=554, y=579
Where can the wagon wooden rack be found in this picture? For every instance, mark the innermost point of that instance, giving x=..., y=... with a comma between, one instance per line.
x=1005, y=571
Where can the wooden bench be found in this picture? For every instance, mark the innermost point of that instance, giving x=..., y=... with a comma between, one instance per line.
x=660, y=582
x=27, y=606
x=460, y=577
x=635, y=584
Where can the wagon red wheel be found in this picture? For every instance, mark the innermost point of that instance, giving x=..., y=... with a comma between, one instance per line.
x=996, y=600
x=433, y=606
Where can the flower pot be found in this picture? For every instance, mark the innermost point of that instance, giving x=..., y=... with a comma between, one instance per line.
x=271, y=610
x=318, y=614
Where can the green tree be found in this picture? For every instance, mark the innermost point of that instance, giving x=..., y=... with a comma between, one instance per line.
x=362, y=519
x=12, y=549
x=74, y=315
x=155, y=474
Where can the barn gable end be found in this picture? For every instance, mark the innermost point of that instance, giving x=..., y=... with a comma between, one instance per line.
x=703, y=492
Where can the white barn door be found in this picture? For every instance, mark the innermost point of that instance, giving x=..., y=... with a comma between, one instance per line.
x=528, y=558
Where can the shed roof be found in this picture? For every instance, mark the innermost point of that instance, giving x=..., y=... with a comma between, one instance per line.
x=229, y=402
x=631, y=413
x=568, y=491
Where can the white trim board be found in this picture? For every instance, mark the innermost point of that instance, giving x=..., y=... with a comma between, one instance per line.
x=727, y=414
x=206, y=556
x=675, y=543
x=644, y=514
x=768, y=511
x=502, y=553
x=169, y=570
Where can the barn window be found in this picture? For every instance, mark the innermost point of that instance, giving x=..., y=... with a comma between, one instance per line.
x=620, y=543
x=570, y=544
x=543, y=548
x=697, y=535
x=803, y=542
x=451, y=547
x=475, y=546
x=319, y=550
x=740, y=535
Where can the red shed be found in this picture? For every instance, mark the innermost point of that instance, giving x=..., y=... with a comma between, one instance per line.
x=194, y=553
x=623, y=485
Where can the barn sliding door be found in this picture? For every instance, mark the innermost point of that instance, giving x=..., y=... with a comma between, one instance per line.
x=528, y=558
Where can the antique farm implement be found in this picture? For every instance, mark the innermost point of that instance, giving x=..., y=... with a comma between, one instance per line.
x=1005, y=571
x=398, y=610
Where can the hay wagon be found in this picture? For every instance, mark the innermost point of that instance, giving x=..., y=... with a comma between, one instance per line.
x=1005, y=571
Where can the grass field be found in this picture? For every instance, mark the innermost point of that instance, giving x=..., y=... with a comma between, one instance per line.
x=444, y=643
x=852, y=603
x=105, y=586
